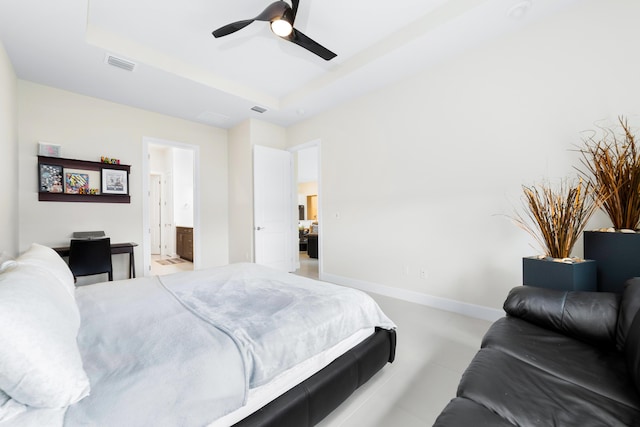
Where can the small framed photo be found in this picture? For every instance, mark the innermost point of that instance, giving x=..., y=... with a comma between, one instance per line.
x=50, y=178
x=80, y=181
x=48, y=149
x=115, y=181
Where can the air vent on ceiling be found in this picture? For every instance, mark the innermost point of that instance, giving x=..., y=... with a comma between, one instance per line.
x=119, y=62
x=212, y=118
x=258, y=109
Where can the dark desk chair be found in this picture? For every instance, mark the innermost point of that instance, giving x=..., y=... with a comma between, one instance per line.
x=90, y=256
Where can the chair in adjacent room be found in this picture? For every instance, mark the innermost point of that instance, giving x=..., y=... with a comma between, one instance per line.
x=88, y=257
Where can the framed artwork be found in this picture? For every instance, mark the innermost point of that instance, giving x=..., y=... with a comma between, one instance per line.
x=79, y=181
x=115, y=181
x=50, y=178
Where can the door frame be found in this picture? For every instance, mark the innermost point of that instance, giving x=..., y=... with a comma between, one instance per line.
x=146, y=174
x=294, y=201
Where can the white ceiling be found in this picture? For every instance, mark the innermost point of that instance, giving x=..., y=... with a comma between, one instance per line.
x=183, y=71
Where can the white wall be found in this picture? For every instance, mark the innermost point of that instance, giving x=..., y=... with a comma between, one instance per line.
x=420, y=175
x=88, y=128
x=183, y=187
x=9, y=149
x=307, y=164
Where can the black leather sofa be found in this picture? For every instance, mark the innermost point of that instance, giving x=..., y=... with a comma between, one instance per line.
x=312, y=245
x=557, y=359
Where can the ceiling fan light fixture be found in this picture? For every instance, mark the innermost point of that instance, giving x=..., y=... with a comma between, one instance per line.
x=281, y=27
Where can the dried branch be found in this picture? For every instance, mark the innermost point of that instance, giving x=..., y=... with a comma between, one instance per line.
x=556, y=218
x=613, y=169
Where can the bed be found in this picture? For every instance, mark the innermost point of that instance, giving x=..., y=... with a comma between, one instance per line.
x=239, y=345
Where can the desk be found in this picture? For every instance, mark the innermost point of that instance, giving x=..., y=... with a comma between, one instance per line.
x=116, y=248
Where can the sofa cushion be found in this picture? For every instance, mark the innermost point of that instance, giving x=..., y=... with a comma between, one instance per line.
x=524, y=394
x=629, y=307
x=632, y=351
x=465, y=412
x=588, y=316
x=601, y=371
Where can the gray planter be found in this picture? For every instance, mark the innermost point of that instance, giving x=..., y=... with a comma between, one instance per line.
x=617, y=255
x=546, y=273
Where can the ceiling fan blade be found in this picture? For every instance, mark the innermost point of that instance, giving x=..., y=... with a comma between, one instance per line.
x=231, y=28
x=294, y=8
x=274, y=10
x=301, y=40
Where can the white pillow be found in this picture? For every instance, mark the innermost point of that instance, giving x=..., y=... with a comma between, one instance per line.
x=40, y=364
x=9, y=408
x=45, y=257
x=6, y=261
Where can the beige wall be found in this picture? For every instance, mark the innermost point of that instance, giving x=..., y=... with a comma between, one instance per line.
x=242, y=139
x=88, y=128
x=240, y=194
x=420, y=175
x=9, y=150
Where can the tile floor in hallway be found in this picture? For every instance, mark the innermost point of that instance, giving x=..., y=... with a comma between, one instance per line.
x=434, y=348
x=158, y=269
x=308, y=266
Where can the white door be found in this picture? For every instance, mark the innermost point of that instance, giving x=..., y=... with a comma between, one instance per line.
x=155, y=221
x=272, y=204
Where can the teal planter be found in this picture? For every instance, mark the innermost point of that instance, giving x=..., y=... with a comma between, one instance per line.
x=617, y=255
x=546, y=273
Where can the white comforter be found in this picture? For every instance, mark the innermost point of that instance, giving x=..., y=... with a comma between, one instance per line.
x=183, y=350
x=151, y=362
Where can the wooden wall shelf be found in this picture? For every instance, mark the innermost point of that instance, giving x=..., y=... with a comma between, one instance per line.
x=51, y=196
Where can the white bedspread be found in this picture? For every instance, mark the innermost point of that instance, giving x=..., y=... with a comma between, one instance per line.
x=153, y=362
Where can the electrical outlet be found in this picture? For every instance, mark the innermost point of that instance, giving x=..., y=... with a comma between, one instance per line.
x=423, y=273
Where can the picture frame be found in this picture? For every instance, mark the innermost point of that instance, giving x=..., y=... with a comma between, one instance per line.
x=115, y=181
x=80, y=181
x=51, y=179
x=49, y=150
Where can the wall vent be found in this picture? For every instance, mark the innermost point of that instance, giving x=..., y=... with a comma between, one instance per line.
x=119, y=62
x=258, y=109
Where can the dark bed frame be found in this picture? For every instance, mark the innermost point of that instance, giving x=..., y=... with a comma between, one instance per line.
x=309, y=402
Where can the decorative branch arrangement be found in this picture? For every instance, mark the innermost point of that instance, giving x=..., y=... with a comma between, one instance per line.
x=556, y=217
x=613, y=165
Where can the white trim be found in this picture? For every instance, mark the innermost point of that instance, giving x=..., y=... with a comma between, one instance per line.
x=146, y=172
x=466, y=309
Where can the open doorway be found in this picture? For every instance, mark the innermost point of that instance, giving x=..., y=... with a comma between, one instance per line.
x=307, y=184
x=170, y=210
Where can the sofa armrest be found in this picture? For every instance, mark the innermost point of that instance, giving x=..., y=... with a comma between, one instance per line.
x=587, y=316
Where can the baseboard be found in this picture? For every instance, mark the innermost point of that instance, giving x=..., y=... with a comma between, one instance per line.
x=466, y=309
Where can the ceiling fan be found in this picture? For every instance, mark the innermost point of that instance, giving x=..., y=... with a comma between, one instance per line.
x=281, y=17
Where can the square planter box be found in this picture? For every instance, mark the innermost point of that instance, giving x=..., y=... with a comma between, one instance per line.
x=617, y=255
x=545, y=273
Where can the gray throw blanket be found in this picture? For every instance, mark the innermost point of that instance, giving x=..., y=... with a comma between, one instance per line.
x=277, y=320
